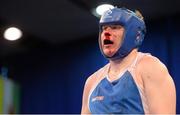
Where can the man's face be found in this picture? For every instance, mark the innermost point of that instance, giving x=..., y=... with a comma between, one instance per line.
x=111, y=39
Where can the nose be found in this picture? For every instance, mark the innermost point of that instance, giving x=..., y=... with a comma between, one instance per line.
x=107, y=34
x=106, y=31
x=107, y=28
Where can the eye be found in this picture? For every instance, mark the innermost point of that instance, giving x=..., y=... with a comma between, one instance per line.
x=113, y=27
x=104, y=27
x=116, y=26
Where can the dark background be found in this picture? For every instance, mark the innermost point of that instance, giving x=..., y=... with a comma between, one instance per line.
x=59, y=49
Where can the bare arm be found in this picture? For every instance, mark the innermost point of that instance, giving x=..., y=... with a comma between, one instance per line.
x=85, y=109
x=159, y=87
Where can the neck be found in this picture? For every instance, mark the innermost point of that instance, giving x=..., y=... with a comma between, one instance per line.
x=116, y=66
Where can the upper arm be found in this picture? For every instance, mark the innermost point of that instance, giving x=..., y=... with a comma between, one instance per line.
x=159, y=87
x=85, y=109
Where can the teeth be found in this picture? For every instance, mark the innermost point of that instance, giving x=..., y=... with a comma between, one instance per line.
x=106, y=42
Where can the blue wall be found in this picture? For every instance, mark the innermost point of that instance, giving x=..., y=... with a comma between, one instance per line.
x=52, y=78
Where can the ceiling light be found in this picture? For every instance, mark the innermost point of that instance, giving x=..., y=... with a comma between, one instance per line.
x=102, y=8
x=12, y=33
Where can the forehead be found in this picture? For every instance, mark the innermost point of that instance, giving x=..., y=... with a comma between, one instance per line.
x=111, y=25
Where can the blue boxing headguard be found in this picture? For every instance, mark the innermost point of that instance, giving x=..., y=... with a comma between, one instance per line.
x=134, y=30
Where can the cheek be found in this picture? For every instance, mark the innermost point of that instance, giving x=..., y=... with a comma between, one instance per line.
x=101, y=36
x=119, y=40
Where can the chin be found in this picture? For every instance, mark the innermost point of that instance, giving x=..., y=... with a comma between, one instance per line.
x=108, y=54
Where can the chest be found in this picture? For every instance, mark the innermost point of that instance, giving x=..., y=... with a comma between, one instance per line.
x=119, y=96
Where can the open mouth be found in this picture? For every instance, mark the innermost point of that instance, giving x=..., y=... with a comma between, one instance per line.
x=108, y=42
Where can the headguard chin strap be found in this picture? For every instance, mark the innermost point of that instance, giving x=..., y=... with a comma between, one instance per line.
x=134, y=33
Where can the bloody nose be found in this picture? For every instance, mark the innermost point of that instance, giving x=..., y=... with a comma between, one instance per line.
x=107, y=35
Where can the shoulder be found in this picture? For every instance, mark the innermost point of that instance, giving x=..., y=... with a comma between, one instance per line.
x=158, y=85
x=152, y=63
x=96, y=76
x=152, y=69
